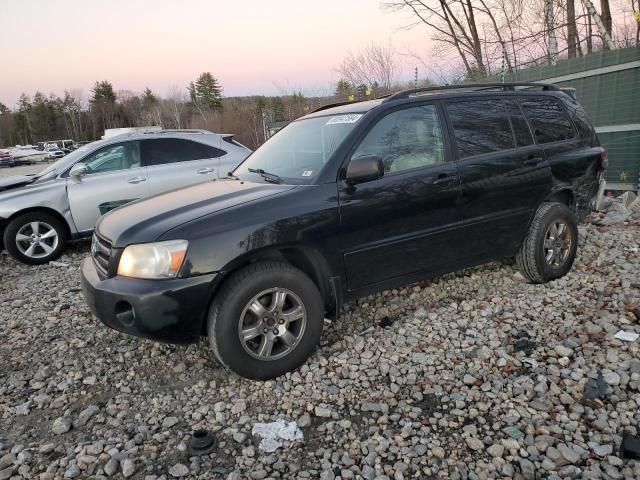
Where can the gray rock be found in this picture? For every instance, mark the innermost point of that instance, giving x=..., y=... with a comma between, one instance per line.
x=111, y=466
x=179, y=470
x=7, y=460
x=85, y=415
x=322, y=412
x=474, y=443
x=128, y=467
x=169, y=422
x=61, y=425
x=72, y=472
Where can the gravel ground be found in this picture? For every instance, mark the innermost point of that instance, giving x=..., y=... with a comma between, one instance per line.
x=420, y=382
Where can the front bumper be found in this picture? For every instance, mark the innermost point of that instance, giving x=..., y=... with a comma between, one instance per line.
x=170, y=311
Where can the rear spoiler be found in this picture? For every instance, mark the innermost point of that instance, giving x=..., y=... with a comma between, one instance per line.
x=570, y=91
x=229, y=139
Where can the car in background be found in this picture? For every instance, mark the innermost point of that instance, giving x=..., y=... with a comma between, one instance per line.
x=54, y=154
x=6, y=159
x=39, y=213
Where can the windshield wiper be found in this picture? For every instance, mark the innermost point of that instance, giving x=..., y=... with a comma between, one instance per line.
x=269, y=177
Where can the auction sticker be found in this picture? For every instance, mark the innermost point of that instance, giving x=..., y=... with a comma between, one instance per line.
x=350, y=118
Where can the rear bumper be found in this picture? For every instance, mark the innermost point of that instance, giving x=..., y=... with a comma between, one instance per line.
x=170, y=311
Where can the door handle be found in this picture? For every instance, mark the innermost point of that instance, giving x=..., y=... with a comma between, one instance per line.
x=445, y=180
x=205, y=170
x=137, y=180
x=533, y=160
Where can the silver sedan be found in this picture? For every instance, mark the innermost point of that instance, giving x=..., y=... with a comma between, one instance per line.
x=39, y=213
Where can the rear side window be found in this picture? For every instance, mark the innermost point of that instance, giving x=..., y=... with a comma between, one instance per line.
x=519, y=124
x=480, y=126
x=173, y=150
x=548, y=120
x=580, y=119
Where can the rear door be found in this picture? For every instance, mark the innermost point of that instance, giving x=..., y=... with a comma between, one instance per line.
x=504, y=175
x=175, y=163
x=114, y=177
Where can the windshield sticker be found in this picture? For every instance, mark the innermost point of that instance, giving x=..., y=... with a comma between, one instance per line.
x=307, y=173
x=351, y=118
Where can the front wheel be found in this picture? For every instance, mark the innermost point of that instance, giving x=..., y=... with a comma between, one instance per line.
x=35, y=238
x=266, y=320
x=549, y=249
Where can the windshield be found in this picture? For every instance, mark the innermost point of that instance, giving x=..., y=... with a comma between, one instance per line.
x=298, y=153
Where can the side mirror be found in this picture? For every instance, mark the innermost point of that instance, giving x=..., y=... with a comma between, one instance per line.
x=78, y=171
x=364, y=169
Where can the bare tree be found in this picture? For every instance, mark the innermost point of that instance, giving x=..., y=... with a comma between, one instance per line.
x=376, y=67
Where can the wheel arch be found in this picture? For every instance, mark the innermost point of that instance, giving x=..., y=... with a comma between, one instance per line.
x=564, y=195
x=46, y=210
x=307, y=259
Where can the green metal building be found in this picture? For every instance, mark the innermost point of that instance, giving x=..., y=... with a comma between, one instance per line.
x=607, y=84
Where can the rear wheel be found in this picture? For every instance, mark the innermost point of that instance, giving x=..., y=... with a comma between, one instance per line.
x=549, y=249
x=266, y=320
x=35, y=238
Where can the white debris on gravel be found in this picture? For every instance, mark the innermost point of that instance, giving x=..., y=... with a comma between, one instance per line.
x=273, y=432
x=435, y=390
x=627, y=336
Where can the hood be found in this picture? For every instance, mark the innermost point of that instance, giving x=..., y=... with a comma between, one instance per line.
x=146, y=220
x=9, y=183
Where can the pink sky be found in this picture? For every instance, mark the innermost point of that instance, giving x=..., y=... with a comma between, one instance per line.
x=252, y=46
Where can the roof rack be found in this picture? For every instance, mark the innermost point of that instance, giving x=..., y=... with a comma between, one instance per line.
x=475, y=87
x=195, y=131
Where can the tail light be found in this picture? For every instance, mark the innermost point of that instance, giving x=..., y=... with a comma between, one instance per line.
x=604, y=160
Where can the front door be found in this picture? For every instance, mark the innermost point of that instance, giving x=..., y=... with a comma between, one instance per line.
x=406, y=221
x=114, y=177
x=175, y=163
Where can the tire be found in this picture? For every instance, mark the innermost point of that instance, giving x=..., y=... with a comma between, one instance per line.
x=548, y=250
x=47, y=247
x=230, y=309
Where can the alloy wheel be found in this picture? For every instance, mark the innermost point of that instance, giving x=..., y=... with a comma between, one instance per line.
x=37, y=239
x=272, y=324
x=557, y=243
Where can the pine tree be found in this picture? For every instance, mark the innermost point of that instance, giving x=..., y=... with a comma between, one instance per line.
x=343, y=88
x=207, y=92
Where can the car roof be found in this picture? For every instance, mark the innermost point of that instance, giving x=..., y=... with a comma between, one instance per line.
x=444, y=92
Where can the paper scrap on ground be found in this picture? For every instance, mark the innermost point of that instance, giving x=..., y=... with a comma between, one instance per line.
x=627, y=336
x=273, y=432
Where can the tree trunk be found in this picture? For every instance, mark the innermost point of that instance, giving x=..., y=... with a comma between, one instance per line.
x=606, y=17
x=571, y=29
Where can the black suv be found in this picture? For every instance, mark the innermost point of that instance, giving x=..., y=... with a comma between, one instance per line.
x=349, y=200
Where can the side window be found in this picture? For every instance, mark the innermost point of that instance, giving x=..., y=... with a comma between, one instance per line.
x=580, y=119
x=159, y=151
x=480, y=126
x=519, y=124
x=405, y=139
x=120, y=156
x=548, y=120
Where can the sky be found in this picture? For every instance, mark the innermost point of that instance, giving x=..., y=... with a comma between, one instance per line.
x=252, y=46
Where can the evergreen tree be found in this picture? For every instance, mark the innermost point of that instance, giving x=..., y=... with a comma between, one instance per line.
x=4, y=109
x=343, y=88
x=148, y=99
x=102, y=92
x=207, y=92
x=277, y=109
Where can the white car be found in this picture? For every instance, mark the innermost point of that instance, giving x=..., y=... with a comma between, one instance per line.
x=39, y=213
x=54, y=154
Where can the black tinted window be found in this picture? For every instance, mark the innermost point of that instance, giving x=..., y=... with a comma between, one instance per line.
x=548, y=120
x=580, y=119
x=519, y=124
x=170, y=150
x=480, y=126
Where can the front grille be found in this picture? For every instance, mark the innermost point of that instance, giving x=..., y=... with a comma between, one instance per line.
x=101, y=253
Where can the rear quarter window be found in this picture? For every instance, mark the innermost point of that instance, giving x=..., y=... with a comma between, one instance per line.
x=548, y=120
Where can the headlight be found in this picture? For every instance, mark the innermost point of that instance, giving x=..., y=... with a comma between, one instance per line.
x=153, y=260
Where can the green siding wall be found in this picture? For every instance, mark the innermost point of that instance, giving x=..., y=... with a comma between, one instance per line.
x=610, y=99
